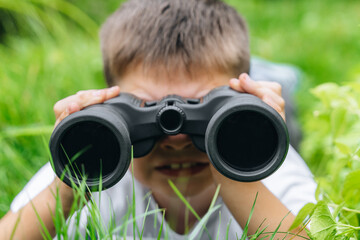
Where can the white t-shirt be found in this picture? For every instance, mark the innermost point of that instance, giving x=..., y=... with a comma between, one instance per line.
x=292, y=183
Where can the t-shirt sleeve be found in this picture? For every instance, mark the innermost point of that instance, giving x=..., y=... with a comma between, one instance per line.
x=292, y=183
x=37, y=183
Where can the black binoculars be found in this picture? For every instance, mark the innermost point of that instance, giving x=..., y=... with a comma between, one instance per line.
x=244, y=138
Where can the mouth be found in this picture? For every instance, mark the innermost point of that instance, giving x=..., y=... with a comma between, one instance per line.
x=182, y=169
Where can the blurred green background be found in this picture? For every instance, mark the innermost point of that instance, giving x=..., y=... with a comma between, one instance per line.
x=49, y=49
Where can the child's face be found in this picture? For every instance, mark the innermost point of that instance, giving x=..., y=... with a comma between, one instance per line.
x=173, y=157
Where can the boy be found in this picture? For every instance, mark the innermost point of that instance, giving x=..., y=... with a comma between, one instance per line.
x=156, y=48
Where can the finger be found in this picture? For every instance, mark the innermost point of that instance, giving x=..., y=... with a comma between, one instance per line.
x=60, y=118
x=275, y=106
x=61, y=105
x=262, y=89
x=235, y=84
x=71, y=108
x=86, y=98
x=79, y=98
x=245, y=84
x=276, y=87
x=99, y=96
x=90, y=97
x=112, y=92
x=268, y=93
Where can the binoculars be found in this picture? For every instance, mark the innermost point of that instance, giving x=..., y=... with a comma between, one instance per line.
x=244, y=138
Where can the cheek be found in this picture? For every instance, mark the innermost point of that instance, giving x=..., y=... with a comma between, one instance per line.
x=142, y=169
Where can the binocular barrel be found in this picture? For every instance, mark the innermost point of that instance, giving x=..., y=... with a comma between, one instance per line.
x=244, y=138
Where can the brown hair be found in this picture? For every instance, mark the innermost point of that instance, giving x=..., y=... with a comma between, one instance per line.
x=177, y=34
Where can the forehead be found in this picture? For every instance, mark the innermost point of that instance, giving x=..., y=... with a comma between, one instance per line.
x=150, y=86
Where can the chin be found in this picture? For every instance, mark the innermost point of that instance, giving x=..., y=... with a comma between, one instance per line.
x=187, y=187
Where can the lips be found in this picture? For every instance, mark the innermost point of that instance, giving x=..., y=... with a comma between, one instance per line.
x=182, y=169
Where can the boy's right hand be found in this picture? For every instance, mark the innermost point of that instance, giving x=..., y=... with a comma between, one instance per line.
x=64, y=108
x=25, y=221
x=82, y=99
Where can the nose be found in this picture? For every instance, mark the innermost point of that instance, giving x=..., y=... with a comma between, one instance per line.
x=175, y=142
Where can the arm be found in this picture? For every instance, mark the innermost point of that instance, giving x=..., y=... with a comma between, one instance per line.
x=44, y=204
x=239, y=196
x=26, y=220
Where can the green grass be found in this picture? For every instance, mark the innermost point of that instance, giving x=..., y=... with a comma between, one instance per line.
x=36, y=70
x=96, y=228
x=321, y=37
x=49, y=50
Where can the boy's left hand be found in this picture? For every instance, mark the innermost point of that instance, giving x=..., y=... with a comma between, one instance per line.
x=269, y=92
x=239, y=196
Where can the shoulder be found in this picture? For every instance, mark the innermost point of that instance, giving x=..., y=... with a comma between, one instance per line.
x=37, y=183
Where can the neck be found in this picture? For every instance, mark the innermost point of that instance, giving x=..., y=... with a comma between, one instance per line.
x=178, y=216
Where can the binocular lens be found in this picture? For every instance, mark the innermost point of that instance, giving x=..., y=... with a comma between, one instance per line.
x=247, y=140
x=91, y=148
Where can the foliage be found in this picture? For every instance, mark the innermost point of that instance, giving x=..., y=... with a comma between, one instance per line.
x=332, y=145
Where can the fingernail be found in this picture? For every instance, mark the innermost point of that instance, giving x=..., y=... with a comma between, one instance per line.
x=112, y=89
x=235, y=82
x=243, y=76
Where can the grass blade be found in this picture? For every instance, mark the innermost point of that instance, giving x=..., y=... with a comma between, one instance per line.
x=245, y=231
x=15, y=227
x=182, y=198
x=161, y=226
x=143, y=224
x=202, y=223
x=45, y=232
x=187, y=204
x=277, y=229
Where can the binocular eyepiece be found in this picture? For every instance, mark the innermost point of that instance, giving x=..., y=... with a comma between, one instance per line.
x=244, y=138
